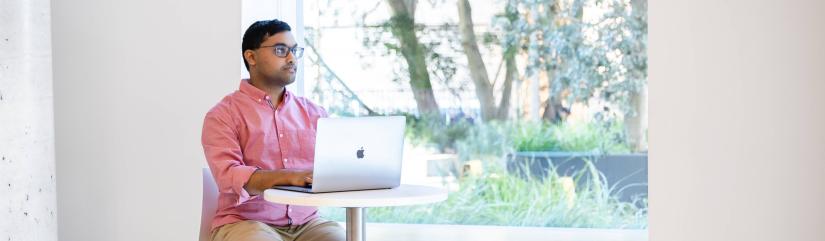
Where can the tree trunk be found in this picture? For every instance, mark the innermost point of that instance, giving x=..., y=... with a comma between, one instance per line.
x=478, y=71
x=636, y=123
x=510, y=74
x=554, y=111
x=402, y=24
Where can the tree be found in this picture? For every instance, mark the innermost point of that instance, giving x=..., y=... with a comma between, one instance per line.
x=402, y=25
x=635, y=121
x=557, y=50
x=609, y=64
x=478, y=70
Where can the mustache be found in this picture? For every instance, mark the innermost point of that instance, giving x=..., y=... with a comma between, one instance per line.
x=289, y=66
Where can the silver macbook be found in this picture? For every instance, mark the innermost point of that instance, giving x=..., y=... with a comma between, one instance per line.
x=359, y=153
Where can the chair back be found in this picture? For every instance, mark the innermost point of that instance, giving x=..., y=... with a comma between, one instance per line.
x=209, y=205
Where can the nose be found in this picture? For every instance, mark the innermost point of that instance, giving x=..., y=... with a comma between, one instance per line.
x=290, y=57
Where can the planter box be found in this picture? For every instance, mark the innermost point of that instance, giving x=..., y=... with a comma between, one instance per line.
x=625, y=173
x=443, y=165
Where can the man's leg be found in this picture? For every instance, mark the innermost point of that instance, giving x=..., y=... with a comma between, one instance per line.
x=246, y=231
x=321, y=230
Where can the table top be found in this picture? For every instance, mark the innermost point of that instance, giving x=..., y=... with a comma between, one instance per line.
x=405, y=194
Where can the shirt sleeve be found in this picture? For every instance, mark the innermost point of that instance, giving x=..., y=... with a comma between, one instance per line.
x=323, y=112
x=224, y=156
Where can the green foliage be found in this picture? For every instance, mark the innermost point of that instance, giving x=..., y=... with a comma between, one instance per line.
x=502, y=199
x=484, y=141
x=431, y=130
x=530, y=136
x=493, y=139
x=605, y=138
x=564, y=137
x=603, y=57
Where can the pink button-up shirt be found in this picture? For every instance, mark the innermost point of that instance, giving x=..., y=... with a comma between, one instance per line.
x=244, y=132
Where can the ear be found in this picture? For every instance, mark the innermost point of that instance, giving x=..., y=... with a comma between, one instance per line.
x=249, y=56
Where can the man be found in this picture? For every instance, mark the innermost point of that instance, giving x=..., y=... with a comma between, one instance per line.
x=262, y=136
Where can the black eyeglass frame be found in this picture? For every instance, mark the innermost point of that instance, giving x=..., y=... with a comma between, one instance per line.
x=296, y=51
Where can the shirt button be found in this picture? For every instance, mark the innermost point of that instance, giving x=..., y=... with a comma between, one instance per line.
x=280, y=135
x=285, y=160
x=289, y=210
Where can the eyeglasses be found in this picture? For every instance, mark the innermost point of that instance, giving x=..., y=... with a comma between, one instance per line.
x=281, y=50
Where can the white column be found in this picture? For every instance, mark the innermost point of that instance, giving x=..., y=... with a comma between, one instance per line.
x=27, y=167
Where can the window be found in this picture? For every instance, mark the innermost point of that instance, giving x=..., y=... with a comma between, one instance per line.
x=533, y=116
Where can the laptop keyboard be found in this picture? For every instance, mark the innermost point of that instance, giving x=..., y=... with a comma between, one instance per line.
x=307, y=188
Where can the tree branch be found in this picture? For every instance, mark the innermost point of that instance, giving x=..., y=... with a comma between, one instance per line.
x=321, y=62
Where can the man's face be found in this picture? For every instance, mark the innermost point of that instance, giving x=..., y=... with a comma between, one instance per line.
x=273, y=69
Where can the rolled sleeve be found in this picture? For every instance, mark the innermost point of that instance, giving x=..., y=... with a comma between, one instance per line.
x=323, y=112
x=224, y=156
x=240, y=175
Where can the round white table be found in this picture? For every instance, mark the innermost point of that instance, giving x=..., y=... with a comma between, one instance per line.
x=357, y=201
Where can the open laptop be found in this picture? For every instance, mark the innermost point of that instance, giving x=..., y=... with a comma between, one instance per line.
x=359, y=153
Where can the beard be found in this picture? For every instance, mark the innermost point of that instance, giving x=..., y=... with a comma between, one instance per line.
x=284, y=76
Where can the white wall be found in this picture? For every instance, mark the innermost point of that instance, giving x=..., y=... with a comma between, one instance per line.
x=737, y=123
x=27, y=185
x=133, y=80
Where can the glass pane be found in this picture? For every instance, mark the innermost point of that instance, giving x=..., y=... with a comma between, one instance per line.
x=532, y=113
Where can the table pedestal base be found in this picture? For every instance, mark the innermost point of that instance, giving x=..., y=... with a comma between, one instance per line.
x=356, y=221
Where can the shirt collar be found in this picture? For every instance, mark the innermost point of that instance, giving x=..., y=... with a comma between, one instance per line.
x=257, y=94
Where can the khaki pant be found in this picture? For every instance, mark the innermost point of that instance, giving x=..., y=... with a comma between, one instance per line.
x=316, y=230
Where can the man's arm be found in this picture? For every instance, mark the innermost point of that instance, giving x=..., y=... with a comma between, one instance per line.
x=261, y=180
x=232, y=175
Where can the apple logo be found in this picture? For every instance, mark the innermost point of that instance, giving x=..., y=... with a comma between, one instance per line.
x=360, y=153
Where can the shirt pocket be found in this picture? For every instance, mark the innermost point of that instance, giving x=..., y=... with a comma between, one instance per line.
x=304, y=148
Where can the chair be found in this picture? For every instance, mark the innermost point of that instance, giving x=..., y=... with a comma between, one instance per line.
x=209, y=204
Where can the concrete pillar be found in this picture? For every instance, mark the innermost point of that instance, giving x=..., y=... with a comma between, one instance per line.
x=27, y=164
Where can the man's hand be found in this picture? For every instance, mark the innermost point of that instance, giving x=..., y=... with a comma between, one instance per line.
x=265, y=179
x=301, y=178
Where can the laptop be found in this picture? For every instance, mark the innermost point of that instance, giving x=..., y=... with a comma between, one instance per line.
x=360, y=153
